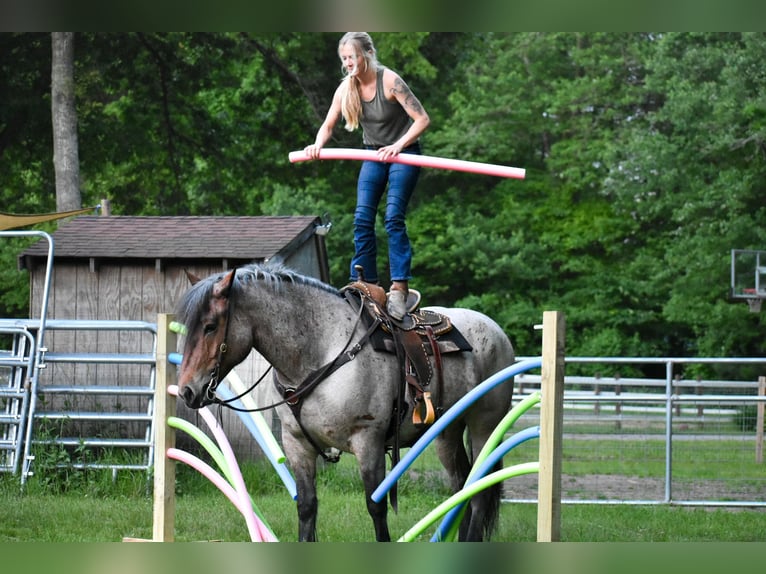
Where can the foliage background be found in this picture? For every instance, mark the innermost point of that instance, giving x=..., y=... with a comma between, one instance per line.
x=645, y=156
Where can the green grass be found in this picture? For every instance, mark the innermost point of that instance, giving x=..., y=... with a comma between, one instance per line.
x=92, y=508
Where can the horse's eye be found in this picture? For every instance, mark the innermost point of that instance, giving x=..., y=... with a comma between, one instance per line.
x=208, y=328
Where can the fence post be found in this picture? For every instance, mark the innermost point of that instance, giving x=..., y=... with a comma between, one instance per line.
x=679, y=390
x=164, y=435
x=597, y=392
x=551, y=428
x=759, y=409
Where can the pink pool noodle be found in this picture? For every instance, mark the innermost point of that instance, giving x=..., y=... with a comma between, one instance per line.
x=414, y=159
x=239, y=483
x=212, y=475
x=258, y=530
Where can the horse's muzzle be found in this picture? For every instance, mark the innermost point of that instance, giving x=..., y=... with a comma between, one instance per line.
x=194, y=400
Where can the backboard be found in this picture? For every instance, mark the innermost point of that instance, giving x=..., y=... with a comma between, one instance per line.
x=748, y=277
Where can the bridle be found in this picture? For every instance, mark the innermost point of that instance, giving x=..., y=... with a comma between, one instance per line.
x=215, y=374
x=215, y=379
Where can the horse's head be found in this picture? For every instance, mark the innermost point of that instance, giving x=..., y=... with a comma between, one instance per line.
x=213, y=345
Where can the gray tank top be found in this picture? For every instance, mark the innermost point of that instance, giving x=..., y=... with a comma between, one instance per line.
x=383, y=121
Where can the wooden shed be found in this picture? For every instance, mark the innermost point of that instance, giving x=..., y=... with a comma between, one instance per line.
x=126, y=268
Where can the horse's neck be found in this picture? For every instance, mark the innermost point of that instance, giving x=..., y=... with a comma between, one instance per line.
x=298, y=328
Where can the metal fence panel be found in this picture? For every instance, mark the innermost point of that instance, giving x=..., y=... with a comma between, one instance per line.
x=669, y=441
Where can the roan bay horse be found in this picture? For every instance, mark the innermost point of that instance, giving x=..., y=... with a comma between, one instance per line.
x=308, y=330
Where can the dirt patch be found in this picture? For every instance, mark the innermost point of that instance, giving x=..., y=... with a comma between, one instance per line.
x=603, y=487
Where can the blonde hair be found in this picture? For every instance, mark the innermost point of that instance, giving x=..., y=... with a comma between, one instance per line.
x=350, y=98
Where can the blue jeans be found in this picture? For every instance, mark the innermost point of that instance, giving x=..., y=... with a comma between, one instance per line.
x=371, y=184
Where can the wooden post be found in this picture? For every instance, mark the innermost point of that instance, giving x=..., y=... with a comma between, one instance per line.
x=618, y=403
x=551, y=428
x=164, y=435
x=759, y=410
x=597, y=392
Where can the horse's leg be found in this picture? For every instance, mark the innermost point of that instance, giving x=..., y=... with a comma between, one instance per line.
x=303, y=461
x=372, y=467
x=453, y=456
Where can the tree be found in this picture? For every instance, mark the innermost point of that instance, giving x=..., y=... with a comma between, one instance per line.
x=688, y=173
x=645, y=156
x=64, y=115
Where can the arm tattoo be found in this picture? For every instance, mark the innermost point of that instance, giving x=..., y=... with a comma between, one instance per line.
x=410, y=100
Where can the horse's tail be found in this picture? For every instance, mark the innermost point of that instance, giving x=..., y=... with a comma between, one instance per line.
x=490, y=501
x=493, y=495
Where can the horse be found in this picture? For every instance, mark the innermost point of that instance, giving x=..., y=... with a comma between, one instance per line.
x=302, y=326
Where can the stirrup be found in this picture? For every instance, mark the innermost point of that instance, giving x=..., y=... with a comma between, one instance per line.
x=331, y=454
x=418, y=411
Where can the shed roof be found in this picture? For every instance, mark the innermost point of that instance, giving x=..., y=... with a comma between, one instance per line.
x=170, y=237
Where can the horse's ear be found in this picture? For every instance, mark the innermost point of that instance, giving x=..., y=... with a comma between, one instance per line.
x=222, y=288
x=193, y=279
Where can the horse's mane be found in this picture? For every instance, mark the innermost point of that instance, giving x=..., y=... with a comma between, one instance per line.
x=272, y=275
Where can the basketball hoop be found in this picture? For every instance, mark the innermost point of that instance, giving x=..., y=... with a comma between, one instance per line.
x=748, y=277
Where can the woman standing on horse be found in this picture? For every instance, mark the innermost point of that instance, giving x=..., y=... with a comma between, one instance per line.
x=392, y=120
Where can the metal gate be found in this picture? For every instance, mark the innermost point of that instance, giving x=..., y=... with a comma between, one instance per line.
x=38, y=392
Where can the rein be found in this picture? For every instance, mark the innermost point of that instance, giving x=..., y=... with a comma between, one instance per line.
x=292, y=394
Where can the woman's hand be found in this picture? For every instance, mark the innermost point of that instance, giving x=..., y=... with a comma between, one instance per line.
x=312, y=150
x=388, y=152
